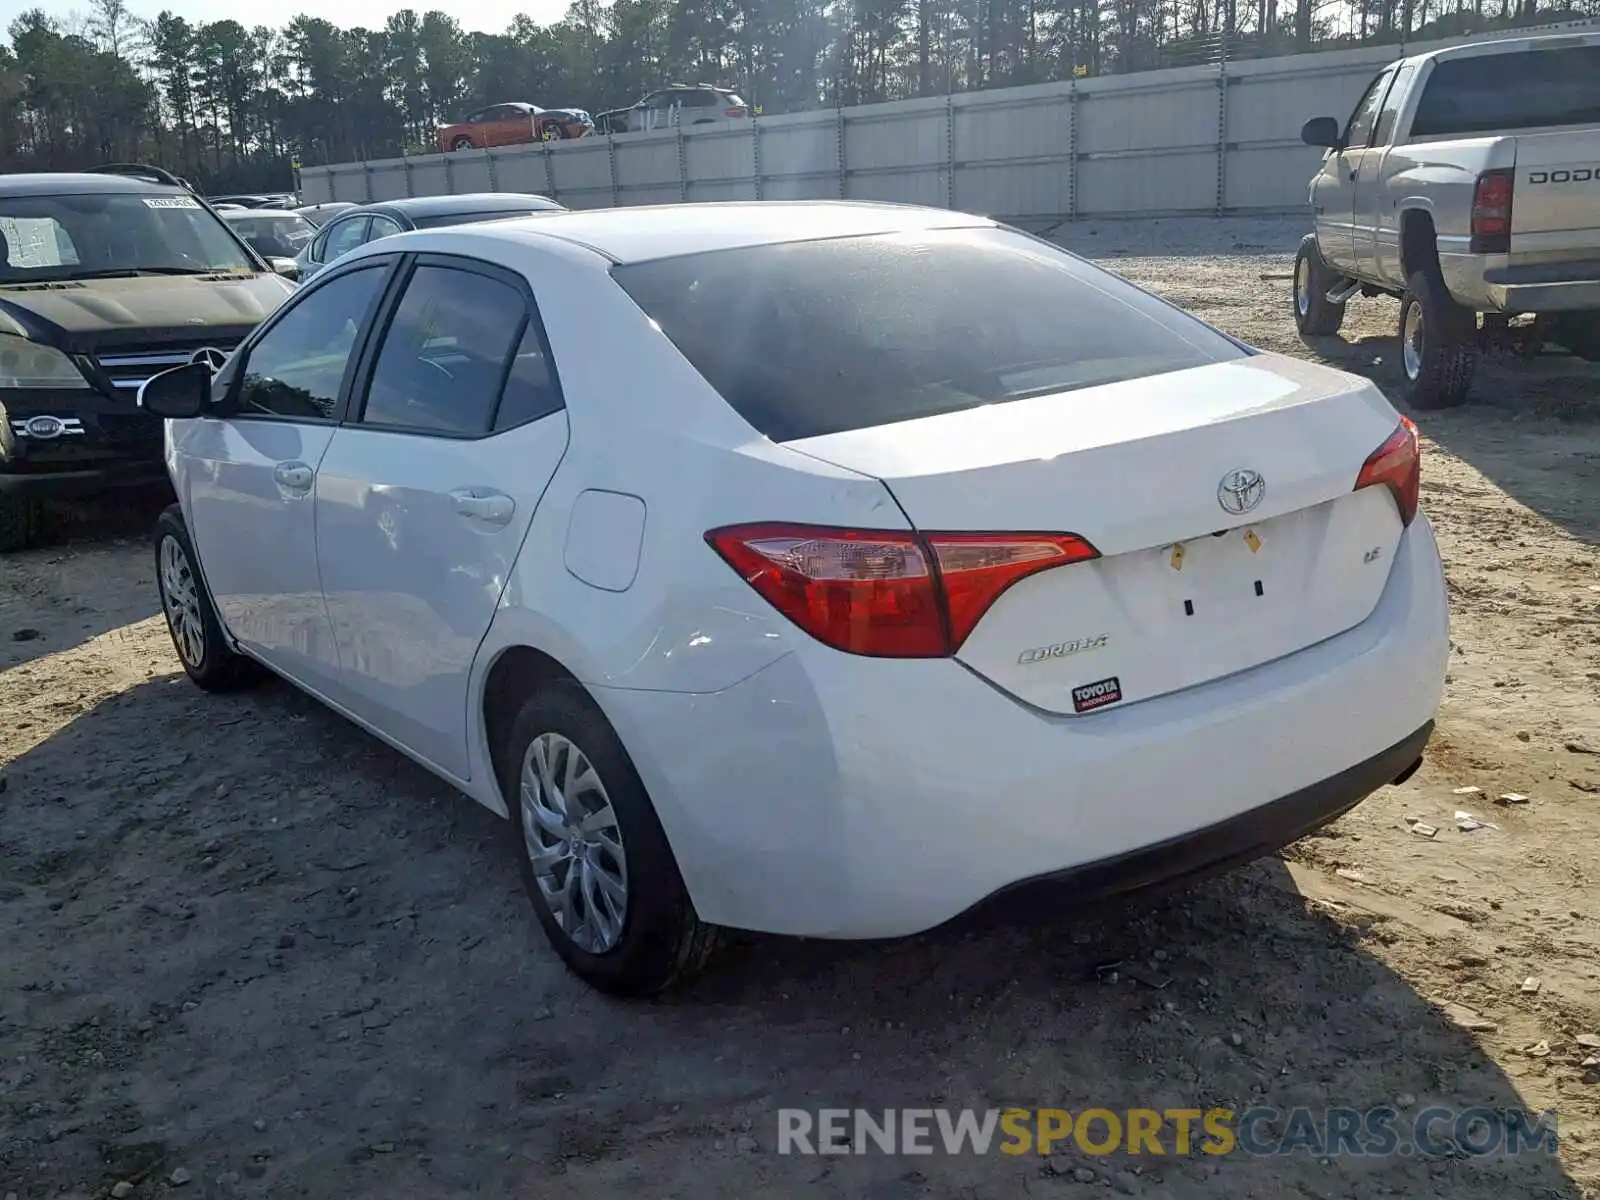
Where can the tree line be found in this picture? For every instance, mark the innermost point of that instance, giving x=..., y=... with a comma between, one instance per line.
x=228, y=105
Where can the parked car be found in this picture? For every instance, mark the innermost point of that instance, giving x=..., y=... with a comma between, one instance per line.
x=105, y=279
x=1463, y=183
x=576, y=513
x=274, y=200
x=278, y=236
x=369, y=222
x=676, y=104
x=513, y=124
x=320, y=214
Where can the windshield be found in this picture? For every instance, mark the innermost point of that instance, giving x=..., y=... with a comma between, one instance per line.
x=281, y=236
x=811, y=338
x=108, y=234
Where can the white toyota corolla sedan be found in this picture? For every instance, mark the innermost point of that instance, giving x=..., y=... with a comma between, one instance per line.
x=813, y=568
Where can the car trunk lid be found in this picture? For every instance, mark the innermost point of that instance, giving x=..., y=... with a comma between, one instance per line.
x=1220, y=500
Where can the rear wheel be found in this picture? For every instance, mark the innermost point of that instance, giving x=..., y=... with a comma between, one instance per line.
x=191, y=619
x=594, y=859
x=19, y=522
x=461, y=143
x=1314, y=314
x=1438, y=343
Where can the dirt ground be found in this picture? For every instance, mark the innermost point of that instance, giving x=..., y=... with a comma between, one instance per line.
x=247, y=950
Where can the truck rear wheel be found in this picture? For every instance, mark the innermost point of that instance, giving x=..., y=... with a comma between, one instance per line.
x=1438, y=343
x=1314, y=314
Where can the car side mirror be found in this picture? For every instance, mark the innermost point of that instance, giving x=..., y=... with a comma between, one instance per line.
x=1321, y=131
x=287, y=267
x=180, y=393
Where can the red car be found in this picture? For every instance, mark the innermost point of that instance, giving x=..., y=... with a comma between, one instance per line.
x=512, y=125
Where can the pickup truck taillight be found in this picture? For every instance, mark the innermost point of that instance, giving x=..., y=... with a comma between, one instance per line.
x=1491, y=212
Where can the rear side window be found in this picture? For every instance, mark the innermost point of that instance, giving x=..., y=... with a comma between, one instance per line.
x=1524, y=90
x=811, y=338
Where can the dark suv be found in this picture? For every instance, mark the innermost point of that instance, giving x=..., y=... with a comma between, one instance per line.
x=675, y=104
x=106, y=278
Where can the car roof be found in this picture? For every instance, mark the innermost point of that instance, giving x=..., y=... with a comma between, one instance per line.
x=1509, y=45
x=471, y=202
x=64, y=183
x=644, y=232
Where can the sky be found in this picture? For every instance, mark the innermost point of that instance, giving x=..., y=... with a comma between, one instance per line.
x=488, y=16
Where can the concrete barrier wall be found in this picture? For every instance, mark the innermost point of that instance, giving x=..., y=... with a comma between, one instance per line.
x=1209, y=140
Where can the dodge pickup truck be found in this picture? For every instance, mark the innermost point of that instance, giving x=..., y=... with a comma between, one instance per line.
x=1466, y=182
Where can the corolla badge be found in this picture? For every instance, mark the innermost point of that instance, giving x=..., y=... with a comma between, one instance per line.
x=1240, y=491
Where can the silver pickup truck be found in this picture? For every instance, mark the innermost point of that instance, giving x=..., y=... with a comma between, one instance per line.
x=1466, y=181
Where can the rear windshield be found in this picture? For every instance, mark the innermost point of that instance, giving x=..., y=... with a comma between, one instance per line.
x=811, y=338
x=49, y=238
x=277, y=237
x=1524, y=90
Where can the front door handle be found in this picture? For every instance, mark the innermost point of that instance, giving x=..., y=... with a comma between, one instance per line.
x=1354, y=171
x=492, y=508
x=296, y=476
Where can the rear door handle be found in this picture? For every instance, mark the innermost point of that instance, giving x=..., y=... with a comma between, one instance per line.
x=296, y=476
x=492, y=508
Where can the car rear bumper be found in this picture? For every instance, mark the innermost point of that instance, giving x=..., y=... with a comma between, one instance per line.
x=835, y=796
x=1491, y=283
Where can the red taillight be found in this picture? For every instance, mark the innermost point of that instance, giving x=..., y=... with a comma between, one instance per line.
x=736, y=112
x=1397, y=464
x=887, y=593
x=1491, y=212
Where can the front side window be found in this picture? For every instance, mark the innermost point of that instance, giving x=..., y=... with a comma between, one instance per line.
x=344, y=236
x=1365, y=115
x=818, y=337
x=296, y=368
x=1390, y=111
x=444, y=357
x=104, y=235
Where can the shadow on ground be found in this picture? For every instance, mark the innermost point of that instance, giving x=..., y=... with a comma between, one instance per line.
x=246, y=940
x=1531, y=427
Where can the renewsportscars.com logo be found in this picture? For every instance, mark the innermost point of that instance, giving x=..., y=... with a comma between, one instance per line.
x=1258, y=1132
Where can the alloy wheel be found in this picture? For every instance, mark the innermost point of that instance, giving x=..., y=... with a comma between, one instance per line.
x=573, y=843
x=1411, y=335
x=1302, y=286
x=180, y=600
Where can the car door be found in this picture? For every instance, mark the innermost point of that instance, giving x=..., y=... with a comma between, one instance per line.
x=426, y=492
x=250, y=473
x=1333, y=191
x=509, y=125
x=1376, y=227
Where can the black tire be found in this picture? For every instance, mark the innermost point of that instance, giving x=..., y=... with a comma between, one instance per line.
x=19, y=522
x=206, y=657
x=1314, y=314
x=462, y=143
x=1438, y=343
x=659, y=941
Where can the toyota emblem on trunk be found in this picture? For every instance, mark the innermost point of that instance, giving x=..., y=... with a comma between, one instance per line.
x=211, y=356
x=1240, y=491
